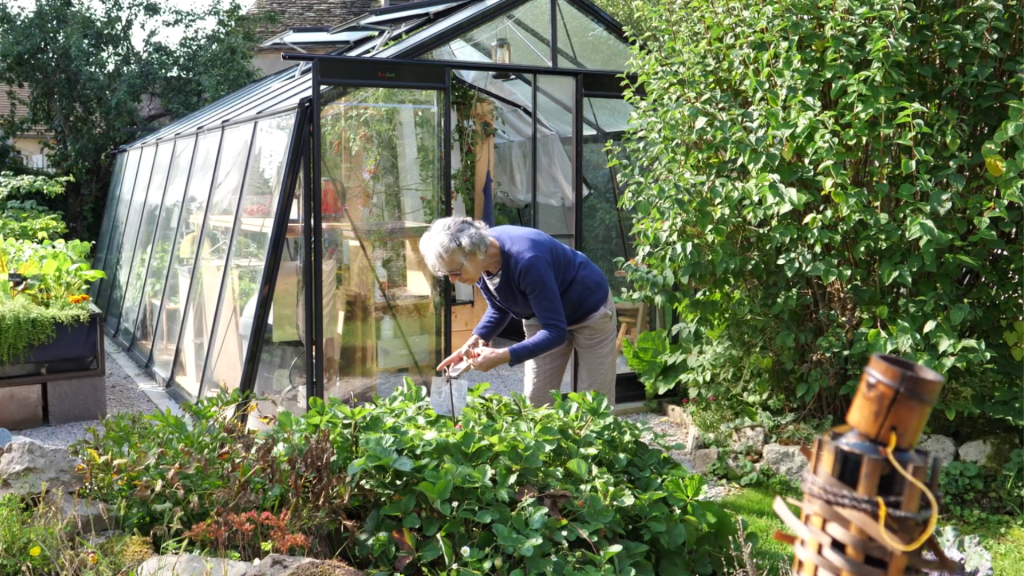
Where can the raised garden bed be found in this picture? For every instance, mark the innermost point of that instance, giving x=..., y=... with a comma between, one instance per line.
x=58, y=382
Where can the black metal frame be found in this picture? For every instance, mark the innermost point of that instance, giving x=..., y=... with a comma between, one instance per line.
x=347, y=71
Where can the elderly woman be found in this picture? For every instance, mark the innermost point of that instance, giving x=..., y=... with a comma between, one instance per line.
x=562, y=298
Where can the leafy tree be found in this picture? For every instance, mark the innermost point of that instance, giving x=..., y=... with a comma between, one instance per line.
x=91, y=65
x=819, y=181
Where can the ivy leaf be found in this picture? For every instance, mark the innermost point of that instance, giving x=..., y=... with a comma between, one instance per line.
x=908, y=165
x=700, y=122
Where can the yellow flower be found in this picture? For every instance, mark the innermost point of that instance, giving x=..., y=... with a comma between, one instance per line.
x=93, y=558
x=35, y=551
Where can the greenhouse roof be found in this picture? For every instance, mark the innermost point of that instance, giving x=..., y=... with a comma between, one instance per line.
x=461, y=31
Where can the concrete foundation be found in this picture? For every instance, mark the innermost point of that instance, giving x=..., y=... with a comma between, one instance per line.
x=21, y=407
x=76, y=400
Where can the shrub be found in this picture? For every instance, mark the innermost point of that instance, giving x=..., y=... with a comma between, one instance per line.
x=24, y=214
x=509, y=489
x=819, y=181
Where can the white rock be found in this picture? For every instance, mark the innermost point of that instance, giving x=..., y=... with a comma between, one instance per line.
x=702, y=459
x=976, y=451
x=784, y=460
x=191, y=565
x=27, y=465
x=941, y=447
x=748, y=439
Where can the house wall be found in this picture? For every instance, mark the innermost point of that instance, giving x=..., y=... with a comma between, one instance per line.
x=31, y=150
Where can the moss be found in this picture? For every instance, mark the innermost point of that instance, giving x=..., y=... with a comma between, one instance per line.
x=325, y=568
x=127, y=551
x=1002, y=446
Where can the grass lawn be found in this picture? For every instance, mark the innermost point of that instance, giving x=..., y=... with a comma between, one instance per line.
x=1005, y=542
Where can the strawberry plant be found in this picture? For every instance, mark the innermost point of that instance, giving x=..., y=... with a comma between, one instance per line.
x=393, y=487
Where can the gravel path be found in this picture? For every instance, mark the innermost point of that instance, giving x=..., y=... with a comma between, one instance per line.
x=659, y=424
x=123, y=395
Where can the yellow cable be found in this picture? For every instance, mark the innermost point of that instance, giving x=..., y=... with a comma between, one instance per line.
x=932, y=520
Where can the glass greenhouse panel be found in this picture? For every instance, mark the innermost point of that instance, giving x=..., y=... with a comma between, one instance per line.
x=380, y=156
x=583, y=42
x=154, y=319
x=117, y=226
x=212, y=250
x=281, y=371
x=183, y=255
x=100, y=251
x=144, y=245
x=556, y=203
x=606, y=116
x=126, y=254
x=521, y=36
x=248, y=256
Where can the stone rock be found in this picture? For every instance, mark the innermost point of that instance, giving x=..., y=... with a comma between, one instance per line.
x=27, y=465
x=941, y=447
x=694, y=441
x=784, y=460
x=977, y=451
x=191, y=565
x=277, y=565
x=703, y=459
x=748, y=439
x=88, y=516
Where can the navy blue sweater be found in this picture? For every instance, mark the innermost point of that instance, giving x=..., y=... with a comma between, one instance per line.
x=542, y=278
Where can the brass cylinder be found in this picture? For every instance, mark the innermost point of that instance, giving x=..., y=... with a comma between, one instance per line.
x=894, y=394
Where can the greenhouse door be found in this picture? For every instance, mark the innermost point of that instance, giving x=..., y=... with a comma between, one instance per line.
x=377, y=183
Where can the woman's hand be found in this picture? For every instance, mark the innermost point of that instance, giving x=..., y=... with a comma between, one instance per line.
x=484, y=358
x=463, y=353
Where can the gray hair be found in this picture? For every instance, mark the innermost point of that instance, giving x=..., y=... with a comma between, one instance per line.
x=454, y=238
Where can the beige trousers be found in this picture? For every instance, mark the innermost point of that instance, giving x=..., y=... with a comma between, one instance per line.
x=593, y=340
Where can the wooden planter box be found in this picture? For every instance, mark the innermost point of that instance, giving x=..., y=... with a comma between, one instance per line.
x=57, y=382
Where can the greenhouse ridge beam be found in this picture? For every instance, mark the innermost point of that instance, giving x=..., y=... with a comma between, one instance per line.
x=597, y=77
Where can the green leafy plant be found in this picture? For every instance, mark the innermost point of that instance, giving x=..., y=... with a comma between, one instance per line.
x=976, y=494
x=23, y=213
x=38, y=540
x=507, y=489
x=657, y=363
x=53, y=271
x=815, y=182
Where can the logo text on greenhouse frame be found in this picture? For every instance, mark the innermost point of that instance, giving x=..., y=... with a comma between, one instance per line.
x=385, y=74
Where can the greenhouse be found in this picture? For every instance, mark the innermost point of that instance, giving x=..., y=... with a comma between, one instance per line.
x=268, y=242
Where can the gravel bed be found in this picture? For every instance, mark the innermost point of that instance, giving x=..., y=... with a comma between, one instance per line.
x=123, y=395
x=673, y=433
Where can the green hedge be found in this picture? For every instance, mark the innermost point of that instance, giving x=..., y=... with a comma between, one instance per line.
x=816, y=182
